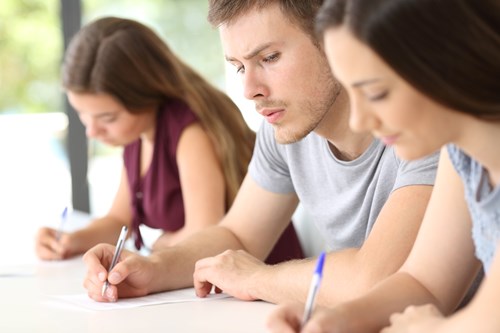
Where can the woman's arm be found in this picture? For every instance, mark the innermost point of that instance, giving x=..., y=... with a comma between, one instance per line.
x=202, y=184
x=481, y=315
x=106, y=228
x=439, y=269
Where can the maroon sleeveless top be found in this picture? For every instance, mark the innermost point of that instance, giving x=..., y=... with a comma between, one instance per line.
x=157, y=196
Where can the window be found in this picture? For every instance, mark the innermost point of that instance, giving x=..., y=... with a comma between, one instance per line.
x=33, y=123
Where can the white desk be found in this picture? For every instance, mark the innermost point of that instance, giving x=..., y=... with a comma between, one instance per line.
x=24, y=306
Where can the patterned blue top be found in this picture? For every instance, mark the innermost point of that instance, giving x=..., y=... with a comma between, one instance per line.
x=483, y=202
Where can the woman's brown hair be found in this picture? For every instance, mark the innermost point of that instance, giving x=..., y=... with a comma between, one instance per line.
x=447, y=49
x=127, y=60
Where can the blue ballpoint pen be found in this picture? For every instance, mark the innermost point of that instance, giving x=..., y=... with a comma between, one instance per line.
x=116, y=256
x=313, y=289
x=64, y=218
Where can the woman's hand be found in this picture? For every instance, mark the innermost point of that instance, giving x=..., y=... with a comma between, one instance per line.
x=416, y=319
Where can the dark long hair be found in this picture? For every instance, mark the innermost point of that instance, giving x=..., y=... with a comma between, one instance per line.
x=447, y=49
x=127, y=60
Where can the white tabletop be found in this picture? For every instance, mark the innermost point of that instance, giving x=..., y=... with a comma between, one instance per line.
x=25, y=307
x=27, y=285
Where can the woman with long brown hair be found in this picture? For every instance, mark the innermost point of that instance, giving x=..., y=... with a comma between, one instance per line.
x=186, y=144
x=423, y=75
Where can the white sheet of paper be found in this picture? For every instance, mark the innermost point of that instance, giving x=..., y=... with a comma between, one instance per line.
x=174, y=296
x=17, y=271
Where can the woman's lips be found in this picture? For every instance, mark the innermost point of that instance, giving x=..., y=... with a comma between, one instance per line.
x=389, y=140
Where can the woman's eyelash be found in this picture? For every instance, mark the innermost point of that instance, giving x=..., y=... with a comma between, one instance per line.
x=379, y=96
x=110, y=119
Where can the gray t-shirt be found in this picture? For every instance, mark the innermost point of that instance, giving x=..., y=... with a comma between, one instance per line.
x=483, y=202
x=343, y=198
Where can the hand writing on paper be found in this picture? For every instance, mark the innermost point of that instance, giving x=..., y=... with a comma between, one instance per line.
x=51, y=244
x=426, y=318
x=131, y=277
x=287, y=318
x=233, y=272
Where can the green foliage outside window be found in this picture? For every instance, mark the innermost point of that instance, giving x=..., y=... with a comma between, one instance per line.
x=30, y=55
x=31, y=44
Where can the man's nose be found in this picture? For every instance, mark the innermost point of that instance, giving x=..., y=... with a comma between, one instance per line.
x=254, y=85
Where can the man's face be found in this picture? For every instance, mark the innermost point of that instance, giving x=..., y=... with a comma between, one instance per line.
x=282, y=71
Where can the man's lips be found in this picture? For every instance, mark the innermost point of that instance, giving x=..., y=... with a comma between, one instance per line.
x=272, y=115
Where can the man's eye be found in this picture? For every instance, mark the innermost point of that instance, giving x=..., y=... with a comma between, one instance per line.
x=273, y=57
x=240, y=69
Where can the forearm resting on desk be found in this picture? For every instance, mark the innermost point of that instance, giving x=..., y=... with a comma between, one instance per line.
x=168, y=269
x=371, y=312
x=52, y=244
x=101, y=230
x=345, y=277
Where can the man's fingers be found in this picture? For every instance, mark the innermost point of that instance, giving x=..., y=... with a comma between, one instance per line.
x=202, y=276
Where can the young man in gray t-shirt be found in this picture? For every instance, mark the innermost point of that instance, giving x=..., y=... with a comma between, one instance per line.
x=343, y=198
x=368, y=204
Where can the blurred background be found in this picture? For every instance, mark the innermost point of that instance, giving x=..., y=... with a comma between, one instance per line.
x=37, y=179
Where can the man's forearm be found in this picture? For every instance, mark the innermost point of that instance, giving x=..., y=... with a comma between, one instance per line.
x=287, y=281
x=345, y=277
x=174, y=266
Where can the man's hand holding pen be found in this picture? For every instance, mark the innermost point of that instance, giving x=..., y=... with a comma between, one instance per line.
x=130, y=277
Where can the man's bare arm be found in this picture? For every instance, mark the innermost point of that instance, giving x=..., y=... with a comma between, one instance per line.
x=254, y=224
x=351, y=272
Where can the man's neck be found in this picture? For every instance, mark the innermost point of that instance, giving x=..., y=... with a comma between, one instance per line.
x=345, y=144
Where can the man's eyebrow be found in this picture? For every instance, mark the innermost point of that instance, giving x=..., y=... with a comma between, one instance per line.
x=365, y=82
x=251, y=54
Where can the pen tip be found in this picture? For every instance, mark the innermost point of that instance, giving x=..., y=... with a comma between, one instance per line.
x=321, y=261
x=104, y=287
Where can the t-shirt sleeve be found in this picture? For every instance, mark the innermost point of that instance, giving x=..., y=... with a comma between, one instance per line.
x=417, y=172
x=268, y=166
